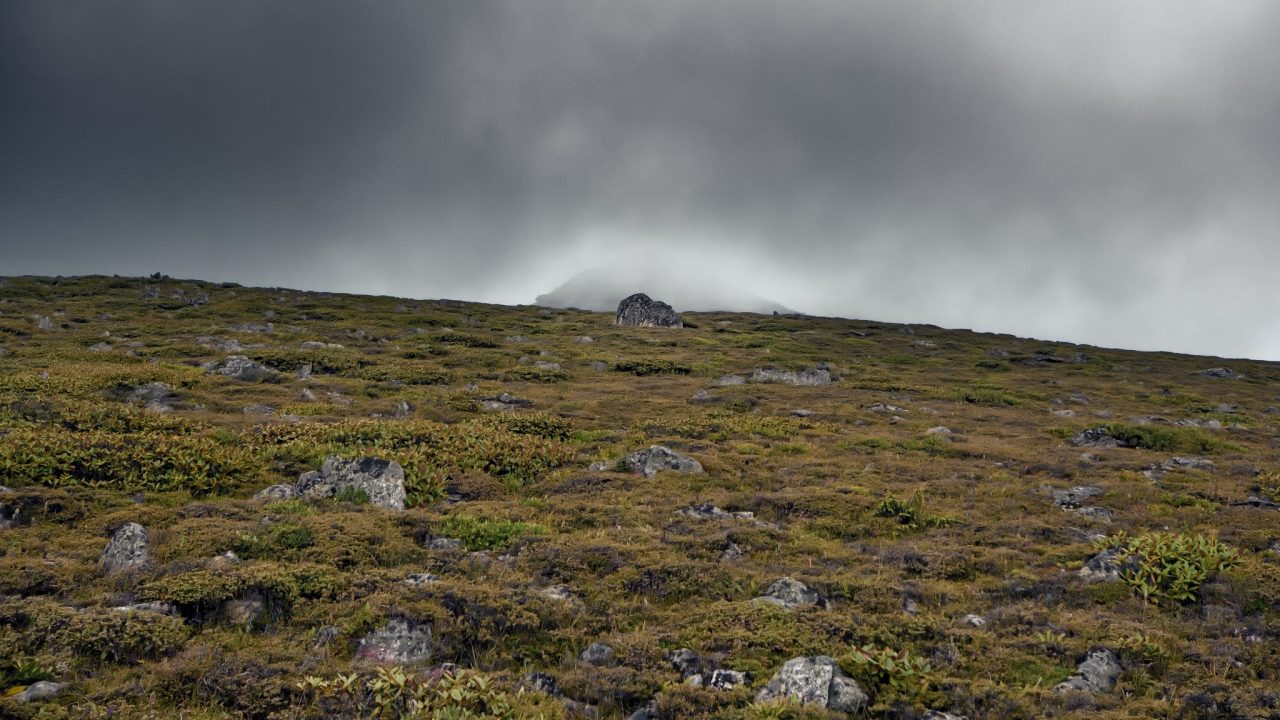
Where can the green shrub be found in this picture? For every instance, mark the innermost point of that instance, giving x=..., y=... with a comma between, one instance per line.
x=651, y=367
x=394, y=694
x=1170, y=568
x=910, y=514
x=480, y=534
x=890, y=675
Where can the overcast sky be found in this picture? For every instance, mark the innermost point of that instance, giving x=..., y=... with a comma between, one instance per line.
x=1104, y=172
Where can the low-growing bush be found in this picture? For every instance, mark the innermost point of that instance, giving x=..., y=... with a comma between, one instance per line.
x=651, y=367
x=1170, y=568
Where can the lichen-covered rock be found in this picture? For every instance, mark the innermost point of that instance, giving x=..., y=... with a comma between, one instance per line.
x=658, y=458
x=791, y=593
x=398, y=642
x=597, y=654
x=813, y=377
x=707, y=511
x=1098, y=673
x=1075, y=497
x=815, y=680
x=382, y=480
x=639, y=310
x=1098, y=437
x=129, y=550
x=239, y=367
x=276, y=492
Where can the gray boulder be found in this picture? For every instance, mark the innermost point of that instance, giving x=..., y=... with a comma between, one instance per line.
x=1221, y=373
x=815, y=680
x=276, y=492
x=1106, y=566
x=791, y=593
x=1098, y=673
x=597, y=654
x=1076, y=496
x=658, y=458
x=382, y=480
x=239, y=367
x=398, y=642
x=812, y=377
x=1098, y=437
x=128, y=550
x=42, y=690
x=639, y=310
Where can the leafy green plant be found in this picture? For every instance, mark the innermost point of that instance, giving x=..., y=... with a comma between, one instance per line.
x=651, y=367
x=910, y=514
x=391, y=693
x=890, y=674
x=1170, y=568
x=481, y=534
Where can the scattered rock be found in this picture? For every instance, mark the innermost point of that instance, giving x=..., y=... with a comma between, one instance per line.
x=1075, y=497
x=504, y=401
x=648, y=712
x=584, y=340
x=420, y=579
x=939, y=715
x=382, y=480
x=886, y=408
x=939, y=430
x=1092, y=512
x=1098, y=437
x=686, y=662
x=258, y=410
x=815, y=680
x=812, y=377
x=1103, y=567
x=791, y=593
x=398, y=642
x=161, y=608
x=1098, y=673
x=276, y=492
x=100, y=347
x=559, y=593
x=318, y=345
x=727, y=380
x=719, y=680
x=1221, y=373
x=732, y=553
x=707, y=511
x=128, y=550
x=544, y=365
x=639, y=310
x=44, y=323
x=42, y=690
x=597, y=654
x=598, y=365
x=542, y=682
x=306, y=395
x=239, y=367
x=444, y=543
x=658, y=458
x=972, y=620
x=152, y=392
x=802, y=413
x=702, y=396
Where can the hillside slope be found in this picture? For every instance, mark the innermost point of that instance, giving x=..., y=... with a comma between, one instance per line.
x=916, y=501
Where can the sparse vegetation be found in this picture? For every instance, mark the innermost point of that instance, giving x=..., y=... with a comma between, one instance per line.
x=915, y=496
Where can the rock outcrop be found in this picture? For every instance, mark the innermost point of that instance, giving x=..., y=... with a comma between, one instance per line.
x=239, y=367
x=639, y=310
x=1098, y=673
x=658, y=458
x=815, y=680
x=398, y=642
x=382, y=480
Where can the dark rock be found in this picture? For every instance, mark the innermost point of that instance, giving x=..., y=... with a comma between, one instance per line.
x=381, y=480
x=1098, y=437
x=128, y=550
x=639, y=310
x=686, y=662
x=719, y=679
x=542, y=682
x=658, y=458
x=398, y=642
x=815, y=680
x=504, y=401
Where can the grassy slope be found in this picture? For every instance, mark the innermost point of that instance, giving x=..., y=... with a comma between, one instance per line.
x=649, y=580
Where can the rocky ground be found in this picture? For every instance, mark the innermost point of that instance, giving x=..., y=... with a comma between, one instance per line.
x=225, y=502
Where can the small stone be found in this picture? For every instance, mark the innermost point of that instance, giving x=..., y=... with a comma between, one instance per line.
x=161, y=608
x=791, y=593
x=276, y=492
x=543, y=683
x=702, y=396
x=420, y=579
x=686, y=662
x=972, y=620
x=802, y=413
x=444, y=543
x=1076, y=496
x=727, y=380
x=939, y=430
x=597, y=654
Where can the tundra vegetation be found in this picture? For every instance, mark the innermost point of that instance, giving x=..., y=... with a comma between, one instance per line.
x=975, y=514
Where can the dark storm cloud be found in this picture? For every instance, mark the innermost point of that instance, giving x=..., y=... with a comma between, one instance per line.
x=1097, y=171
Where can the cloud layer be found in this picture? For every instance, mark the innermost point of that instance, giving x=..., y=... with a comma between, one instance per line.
x=1103, y=172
